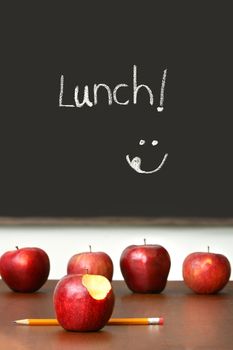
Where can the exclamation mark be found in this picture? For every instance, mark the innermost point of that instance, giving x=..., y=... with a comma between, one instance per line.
x=160, y=108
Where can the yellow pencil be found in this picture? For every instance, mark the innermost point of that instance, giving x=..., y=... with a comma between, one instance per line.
x=112, y=321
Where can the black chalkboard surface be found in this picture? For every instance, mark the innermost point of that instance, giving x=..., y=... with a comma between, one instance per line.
x=116, y=109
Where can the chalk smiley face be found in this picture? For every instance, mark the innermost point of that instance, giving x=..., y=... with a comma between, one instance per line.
x=135, y=162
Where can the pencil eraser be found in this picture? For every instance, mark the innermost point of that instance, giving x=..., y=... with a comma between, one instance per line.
x=161, y=321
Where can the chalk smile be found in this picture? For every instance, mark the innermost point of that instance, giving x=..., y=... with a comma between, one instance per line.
x=135, y=164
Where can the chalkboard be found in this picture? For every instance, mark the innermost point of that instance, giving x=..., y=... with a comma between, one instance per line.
x=118, y=109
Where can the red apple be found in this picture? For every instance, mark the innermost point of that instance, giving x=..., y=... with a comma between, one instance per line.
x=95, y=263
x=83, y=302
x=145, y=267
x=25, y=269
x=205, y=272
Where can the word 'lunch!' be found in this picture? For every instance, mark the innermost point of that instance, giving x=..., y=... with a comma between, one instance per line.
x=112, y=96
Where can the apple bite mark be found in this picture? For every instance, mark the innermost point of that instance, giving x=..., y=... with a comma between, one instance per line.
x=79, y=305
x=97, y=286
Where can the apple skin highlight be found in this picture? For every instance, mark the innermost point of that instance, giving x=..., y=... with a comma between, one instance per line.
x=76, y=309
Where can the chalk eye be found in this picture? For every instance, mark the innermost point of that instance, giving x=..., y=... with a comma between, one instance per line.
x=155, y=142
x=142, y=142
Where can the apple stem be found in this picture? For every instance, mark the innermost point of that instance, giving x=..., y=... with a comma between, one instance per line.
x=90, y=248
x=208, y=249
x=144, y=241
x=17, y=247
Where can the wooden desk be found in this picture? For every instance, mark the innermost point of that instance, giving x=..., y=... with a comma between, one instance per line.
x=191, y=321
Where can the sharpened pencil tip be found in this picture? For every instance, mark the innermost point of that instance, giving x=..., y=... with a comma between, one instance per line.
x=21, y=321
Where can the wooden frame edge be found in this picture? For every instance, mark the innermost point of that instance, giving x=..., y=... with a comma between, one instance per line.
x=117, y=221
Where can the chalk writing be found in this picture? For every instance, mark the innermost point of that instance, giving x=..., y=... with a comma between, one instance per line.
x=112, y=95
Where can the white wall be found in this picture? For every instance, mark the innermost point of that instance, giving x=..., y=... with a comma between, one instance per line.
x=61, y=243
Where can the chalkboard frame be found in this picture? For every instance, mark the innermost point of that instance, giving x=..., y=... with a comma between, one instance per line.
x=173, y=51
x=115, y=221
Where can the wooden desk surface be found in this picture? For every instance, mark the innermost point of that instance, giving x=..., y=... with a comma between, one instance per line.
x=191, y=321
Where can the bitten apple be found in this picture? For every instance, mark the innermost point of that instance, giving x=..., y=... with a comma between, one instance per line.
x=95, y=263
x=83, y=302
x=25, y=270
x=205, y=272
x=145, y=268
